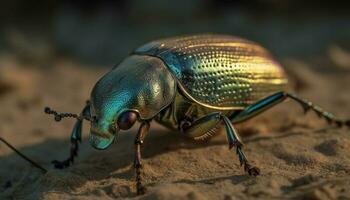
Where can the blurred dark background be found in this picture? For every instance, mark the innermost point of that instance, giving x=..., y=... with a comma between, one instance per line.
x=103, y=32
x=53, y=52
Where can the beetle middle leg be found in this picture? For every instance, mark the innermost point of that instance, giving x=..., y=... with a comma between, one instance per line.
x=201, y=126
x=144, y=128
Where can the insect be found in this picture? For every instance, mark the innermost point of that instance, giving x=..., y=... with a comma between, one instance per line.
x=193, y=84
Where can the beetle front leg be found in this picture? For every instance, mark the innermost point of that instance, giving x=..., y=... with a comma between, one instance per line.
x=144, y=128
x=75, y=135
x=75, y=139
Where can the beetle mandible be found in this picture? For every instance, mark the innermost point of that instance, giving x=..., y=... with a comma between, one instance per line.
x=192, y=84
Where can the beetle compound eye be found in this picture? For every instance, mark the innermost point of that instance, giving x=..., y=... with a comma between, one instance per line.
x=126, y=120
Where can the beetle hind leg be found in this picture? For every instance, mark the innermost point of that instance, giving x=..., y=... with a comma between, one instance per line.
x=308, y=105
x=270, y=101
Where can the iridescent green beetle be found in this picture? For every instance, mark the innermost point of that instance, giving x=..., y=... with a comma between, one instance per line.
x=192, y=84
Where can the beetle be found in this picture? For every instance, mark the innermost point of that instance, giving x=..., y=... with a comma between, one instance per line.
x=193, y=84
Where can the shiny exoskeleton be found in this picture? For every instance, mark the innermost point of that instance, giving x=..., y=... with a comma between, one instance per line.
x=192, y=84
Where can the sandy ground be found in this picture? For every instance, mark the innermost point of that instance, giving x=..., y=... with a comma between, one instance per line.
x=300, y=156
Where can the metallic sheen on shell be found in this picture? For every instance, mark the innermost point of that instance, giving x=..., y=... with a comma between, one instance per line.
x=184, y=77
x=219, y=71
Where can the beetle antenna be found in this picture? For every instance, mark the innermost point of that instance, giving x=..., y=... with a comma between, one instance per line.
x=23, y=156
x=59, y=116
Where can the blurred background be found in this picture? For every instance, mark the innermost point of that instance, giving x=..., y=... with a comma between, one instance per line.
x=53, y=52
x=103, y=32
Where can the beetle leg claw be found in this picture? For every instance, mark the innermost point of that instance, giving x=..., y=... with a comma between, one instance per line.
x=252, y=170
x=66, y=163
x=347, y=123
x=61, y=164
x=139, y=187
x=141, y=190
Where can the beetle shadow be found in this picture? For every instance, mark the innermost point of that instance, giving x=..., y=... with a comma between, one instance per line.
x=91, y=164
x=159, y=141
x=98, y=165
x=236, y=179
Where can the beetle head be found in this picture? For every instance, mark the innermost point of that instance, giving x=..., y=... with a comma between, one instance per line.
x=111, y=109
x=136, y=89
x=105, y=127
x=102, y=130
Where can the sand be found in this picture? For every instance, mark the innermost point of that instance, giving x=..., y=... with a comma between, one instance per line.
x=300, y=156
